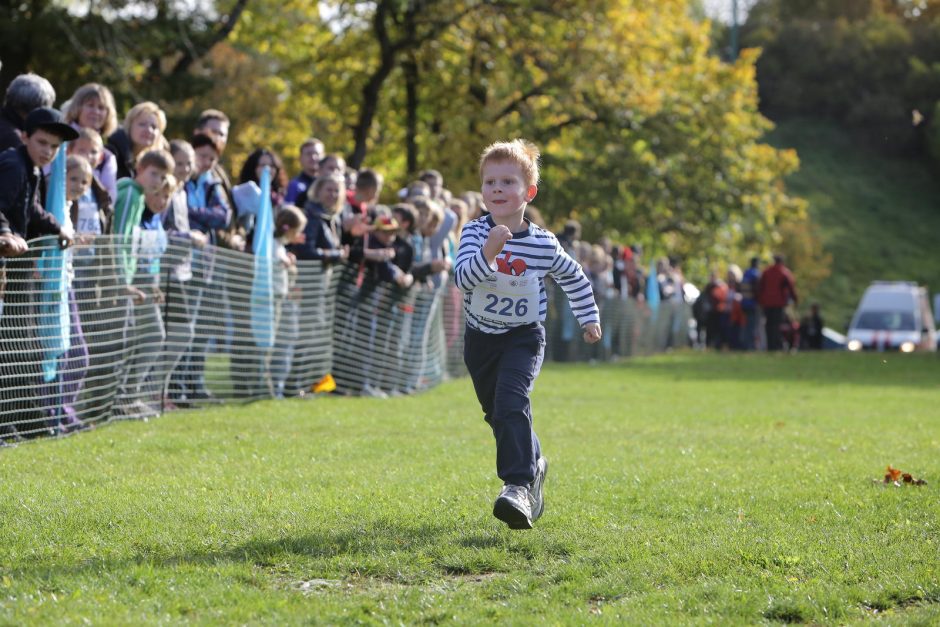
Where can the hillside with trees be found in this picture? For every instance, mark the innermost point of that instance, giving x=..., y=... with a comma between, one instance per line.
x=854, y=88
x=872, y=66
x=875, y=217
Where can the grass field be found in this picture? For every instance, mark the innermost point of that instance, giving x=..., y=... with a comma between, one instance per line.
x=683, y=489
x=877, y=215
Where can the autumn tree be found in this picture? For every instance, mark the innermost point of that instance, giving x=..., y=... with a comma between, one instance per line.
x=645, y=134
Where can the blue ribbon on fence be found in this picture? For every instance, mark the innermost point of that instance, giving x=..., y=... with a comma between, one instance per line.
x=54, y=331
x=262, y=287
x=652, y=290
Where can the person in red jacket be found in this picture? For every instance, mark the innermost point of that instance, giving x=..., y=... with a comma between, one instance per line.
x=776, y=289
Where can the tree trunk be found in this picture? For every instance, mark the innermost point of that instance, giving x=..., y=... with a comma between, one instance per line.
x=372, y=89
x=388, y=57
x=370, y=105
x=411, y=113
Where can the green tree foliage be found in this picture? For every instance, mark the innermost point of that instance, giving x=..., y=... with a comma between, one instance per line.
x=141, y=51
x=869, y=64
x=644, y=132
x=646, y=135
x=802, y=246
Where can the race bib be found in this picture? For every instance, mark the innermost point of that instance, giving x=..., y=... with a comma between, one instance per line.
x=152, y=243
x=88, y=221
x=88, y=224
x=506, y=299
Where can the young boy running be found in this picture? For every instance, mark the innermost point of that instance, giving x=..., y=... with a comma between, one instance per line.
x=501, y=262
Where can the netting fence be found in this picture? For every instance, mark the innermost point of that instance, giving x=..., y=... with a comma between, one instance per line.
x=129, y=329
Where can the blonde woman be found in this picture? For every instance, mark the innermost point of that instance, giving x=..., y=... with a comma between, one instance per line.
x=143, y=130
x=321, y=241
x=322, y=236
x=92, y=106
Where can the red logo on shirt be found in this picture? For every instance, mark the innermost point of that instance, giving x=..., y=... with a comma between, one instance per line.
x=516, y=267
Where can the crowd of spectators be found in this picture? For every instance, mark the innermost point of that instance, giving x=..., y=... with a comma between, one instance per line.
x=755, y=309
x=127, y=179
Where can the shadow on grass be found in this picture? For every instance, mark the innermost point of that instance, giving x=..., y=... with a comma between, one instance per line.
x=366, y=540
x=827, y=368
x=373, y=550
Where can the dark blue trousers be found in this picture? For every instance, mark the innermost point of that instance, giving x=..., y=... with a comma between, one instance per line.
x=503, y=368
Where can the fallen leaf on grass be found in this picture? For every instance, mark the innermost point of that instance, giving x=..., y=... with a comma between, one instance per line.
x=898, y=478
x=909, y=479
x=892, y=474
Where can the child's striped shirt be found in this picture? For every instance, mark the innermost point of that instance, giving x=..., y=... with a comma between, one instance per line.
x=534, y=252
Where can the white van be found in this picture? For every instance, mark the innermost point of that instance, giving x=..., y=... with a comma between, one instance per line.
x=893, y=315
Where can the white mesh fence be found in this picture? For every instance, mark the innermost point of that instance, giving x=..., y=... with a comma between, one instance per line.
x=152, y=327
x=631, y=328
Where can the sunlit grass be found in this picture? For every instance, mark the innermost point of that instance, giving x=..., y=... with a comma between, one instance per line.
x=683, y=489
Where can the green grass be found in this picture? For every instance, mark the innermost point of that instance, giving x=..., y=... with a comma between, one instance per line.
x=691, y=489
x=877, y=215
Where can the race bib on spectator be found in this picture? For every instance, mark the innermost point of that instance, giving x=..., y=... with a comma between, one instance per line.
x=506, y=299
x=88, y=221
x=88, y=224
x=152, y=243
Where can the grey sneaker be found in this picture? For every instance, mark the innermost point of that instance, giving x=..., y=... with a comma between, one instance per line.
x=536, y=501
x=512, y=507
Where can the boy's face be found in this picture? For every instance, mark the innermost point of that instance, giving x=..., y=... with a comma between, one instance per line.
x=505, y=192
x=184, y=161
x=216, y=128
x=334, y=167
x=368, y=195
x=435, y=186
x=42, y=147
x=386, y=238
x=157, y=201
x=76, y=184
x=310, y=158
x=85, y=147
x=151, y=179
x=206, y=158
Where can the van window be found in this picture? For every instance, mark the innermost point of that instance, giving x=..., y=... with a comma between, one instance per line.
x=886, y=321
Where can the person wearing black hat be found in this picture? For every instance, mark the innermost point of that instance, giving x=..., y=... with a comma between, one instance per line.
x=21, y=216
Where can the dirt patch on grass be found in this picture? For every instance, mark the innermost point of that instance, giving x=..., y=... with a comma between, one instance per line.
x=459, y=571
x=448, y=581
x=471, y=578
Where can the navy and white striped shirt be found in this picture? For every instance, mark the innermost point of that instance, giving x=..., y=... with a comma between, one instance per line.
x=533, y=251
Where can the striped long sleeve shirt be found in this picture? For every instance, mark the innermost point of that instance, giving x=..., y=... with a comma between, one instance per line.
x=531, y=254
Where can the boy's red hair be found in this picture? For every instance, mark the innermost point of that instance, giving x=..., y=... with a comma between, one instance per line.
x=522, y=152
